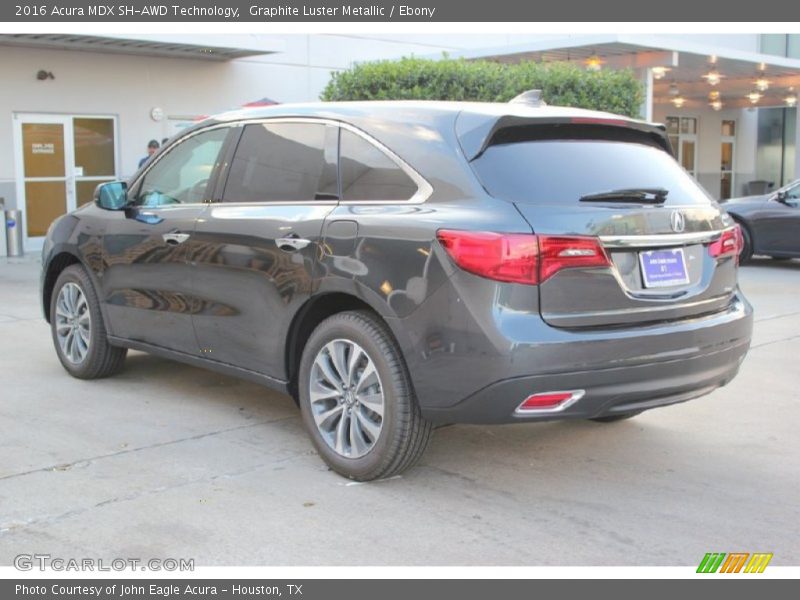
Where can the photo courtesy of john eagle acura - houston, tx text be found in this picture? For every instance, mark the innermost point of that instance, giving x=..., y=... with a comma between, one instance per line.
x=398, y=266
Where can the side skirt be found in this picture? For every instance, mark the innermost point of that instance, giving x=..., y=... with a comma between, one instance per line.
x=204, y=363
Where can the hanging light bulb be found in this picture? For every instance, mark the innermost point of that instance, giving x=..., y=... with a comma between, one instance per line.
x=678, y=101
x=713, y=95
x=791, y=99
x=762, y=84
x=713, y=77
x=754, y=97
x=659, y=72
x=716, y=104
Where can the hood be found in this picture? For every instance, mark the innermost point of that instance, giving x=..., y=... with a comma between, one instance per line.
x=748, y=199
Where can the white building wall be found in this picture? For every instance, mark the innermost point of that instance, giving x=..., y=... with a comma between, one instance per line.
x=130, y=86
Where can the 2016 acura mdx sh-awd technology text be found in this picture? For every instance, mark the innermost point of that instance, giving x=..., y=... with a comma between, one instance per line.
x=396, y=265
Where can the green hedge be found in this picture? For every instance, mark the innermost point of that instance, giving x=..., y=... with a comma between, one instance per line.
x=562, y=84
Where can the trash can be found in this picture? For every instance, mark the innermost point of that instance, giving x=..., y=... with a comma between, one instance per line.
x=13, y=221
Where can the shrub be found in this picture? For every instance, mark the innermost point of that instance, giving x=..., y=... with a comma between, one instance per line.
x=562, y=84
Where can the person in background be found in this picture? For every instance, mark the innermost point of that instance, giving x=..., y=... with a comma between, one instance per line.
x=164, y=142
x=152, y=147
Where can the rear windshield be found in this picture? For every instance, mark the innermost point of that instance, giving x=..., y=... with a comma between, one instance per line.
x=560, y=171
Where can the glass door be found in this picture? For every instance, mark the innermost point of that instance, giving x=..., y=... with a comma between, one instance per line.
x=682, y=133
x=727, y=158
x=60, y=159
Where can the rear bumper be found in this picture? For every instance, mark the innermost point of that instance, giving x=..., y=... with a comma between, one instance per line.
x=470, y=365
x=608, y=391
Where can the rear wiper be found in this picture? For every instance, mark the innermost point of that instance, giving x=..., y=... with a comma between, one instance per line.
x=633, y=195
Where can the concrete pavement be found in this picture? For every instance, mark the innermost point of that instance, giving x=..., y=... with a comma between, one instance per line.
x=166, y=460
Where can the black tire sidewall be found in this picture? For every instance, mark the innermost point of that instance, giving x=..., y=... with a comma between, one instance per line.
x=395, y=391
x=747, y=245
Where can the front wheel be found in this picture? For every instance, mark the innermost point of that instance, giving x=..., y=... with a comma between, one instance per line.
x=79, y=333
x=357, y=400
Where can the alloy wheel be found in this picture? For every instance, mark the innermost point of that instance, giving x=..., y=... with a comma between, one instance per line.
x=346, y=397
x=73, y=323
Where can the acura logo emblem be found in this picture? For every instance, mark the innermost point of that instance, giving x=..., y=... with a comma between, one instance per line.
x=677, y=221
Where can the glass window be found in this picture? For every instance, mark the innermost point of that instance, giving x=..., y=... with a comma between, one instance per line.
x=673, y=125
x=181, y=176
x=774, y=43
x=368, y=174
x=281, y=162
x=556, y=172
x=688, y=125
x=94, y=146
x=728, y=128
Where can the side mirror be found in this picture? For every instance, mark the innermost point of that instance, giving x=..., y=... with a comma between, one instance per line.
x=781, y=197
x=112, y=195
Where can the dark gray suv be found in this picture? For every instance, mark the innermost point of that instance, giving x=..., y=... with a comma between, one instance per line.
x=399, y=265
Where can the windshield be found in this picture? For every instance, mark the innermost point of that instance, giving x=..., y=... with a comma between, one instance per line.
x=562, y=171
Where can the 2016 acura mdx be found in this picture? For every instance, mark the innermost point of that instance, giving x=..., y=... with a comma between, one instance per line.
x=401, y=264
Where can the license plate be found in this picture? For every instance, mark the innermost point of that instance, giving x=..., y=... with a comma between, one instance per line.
x=664, y=268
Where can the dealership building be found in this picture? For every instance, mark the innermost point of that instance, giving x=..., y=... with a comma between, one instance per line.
x=77, y=110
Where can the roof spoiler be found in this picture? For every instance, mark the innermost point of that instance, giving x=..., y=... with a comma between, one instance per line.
x=529, y=98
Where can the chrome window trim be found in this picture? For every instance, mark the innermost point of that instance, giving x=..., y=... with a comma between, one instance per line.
x=424, y=189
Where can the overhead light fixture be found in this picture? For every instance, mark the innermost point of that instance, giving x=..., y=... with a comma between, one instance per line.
x=762, y=67
x=716, y=104
x=713, y=95
x=678, y=101
x=713, y=77
x=594, y=63
x=762, y=84
x=754, y=96
x=791, y=99
x=659, y=72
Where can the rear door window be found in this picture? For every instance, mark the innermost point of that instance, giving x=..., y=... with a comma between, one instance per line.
x=367, y=173
x=283, y=162
x=551, y=170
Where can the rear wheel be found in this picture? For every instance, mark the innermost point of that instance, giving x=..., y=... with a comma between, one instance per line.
x=615, y=418
x=357, y=400
x=79, y=333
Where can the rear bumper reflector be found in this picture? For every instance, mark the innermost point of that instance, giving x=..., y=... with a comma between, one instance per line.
x=549, y=402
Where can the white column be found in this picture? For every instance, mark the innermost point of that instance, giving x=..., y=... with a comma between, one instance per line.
x=647, y=105
x=797, y=143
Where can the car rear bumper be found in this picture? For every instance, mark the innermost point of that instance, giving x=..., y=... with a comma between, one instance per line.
x=478, y=366
x=607, y=391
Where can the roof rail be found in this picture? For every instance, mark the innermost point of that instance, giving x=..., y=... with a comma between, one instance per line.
x=530, y=97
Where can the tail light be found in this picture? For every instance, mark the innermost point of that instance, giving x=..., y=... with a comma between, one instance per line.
x=729, y=243
x=520, y=257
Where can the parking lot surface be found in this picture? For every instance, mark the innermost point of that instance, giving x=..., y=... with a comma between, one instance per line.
x=166, y=460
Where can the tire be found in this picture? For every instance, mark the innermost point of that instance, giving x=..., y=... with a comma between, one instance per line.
x=747, y=246
x=615, y=418
x=89, y=356
x=353, y=437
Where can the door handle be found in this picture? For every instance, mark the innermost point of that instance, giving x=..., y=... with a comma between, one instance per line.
x=173, y=239
x=292, y=243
